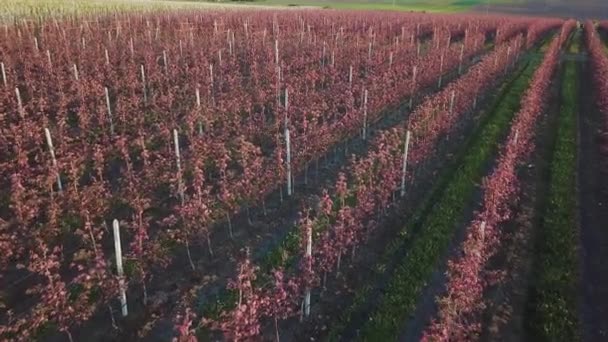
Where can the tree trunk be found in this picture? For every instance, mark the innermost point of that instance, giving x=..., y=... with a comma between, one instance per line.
x=276, y=330
x=249, y=216
x=229, y=226
x=189, y=255
x=113, y=320
x=145, y=289
x=69, y=335
x=209, y=244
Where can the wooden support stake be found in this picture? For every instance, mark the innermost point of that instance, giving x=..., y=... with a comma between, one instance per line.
x=508, y=56
x=288, y=150
x=198, y=107
x=179, y=165
x=48, y=58
x=461, y=59
x=288, y=145
x=276, y=51
x=75, y=72
x=119, y=269
x=308, y=290
x=143, y=82
x=3, y=74
x=415, y=71
x=49, y=143
x=19, y=103
x=350, y=76
x=365, y=115
x=452, y=98
x=404, y=169
x=440, y=71
x=107, y=57
x=109, y=110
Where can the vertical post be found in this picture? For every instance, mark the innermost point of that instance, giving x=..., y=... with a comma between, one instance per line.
x=365, y=115
x=440, y=71
x=19, y=103
x=198, y=98
x=165, y=61
x=288, y=145
x=308, y=255
x=508, y=56
x=369, y=51
x=418, y=50
x=350, y=76
x=198, y=107
x=415, y=71
x=404, y=168
x=109, y=110
x=461, y=58
x=452, y=98
x=75, y=72
x=211, y=74
x=131, y=46
x=276, y=51
x=49, y=143
x=179, y=165
x=219, y=57
x=119, y=269
x=482, y=230
x=107, y=57
x=323, y=55
x=143, y=82
x=390, y=60
x=48, y=58
x=3, y=74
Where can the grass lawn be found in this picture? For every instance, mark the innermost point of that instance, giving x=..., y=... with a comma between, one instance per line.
x=400, y=5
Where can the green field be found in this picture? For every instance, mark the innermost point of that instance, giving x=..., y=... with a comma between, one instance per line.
x=11, y=9
x=398, y=5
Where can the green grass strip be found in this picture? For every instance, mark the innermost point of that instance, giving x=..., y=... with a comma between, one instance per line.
x=438, y=223
x=554, y=316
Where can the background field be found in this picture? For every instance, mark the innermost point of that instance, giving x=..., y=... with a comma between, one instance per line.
x=561, y=8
